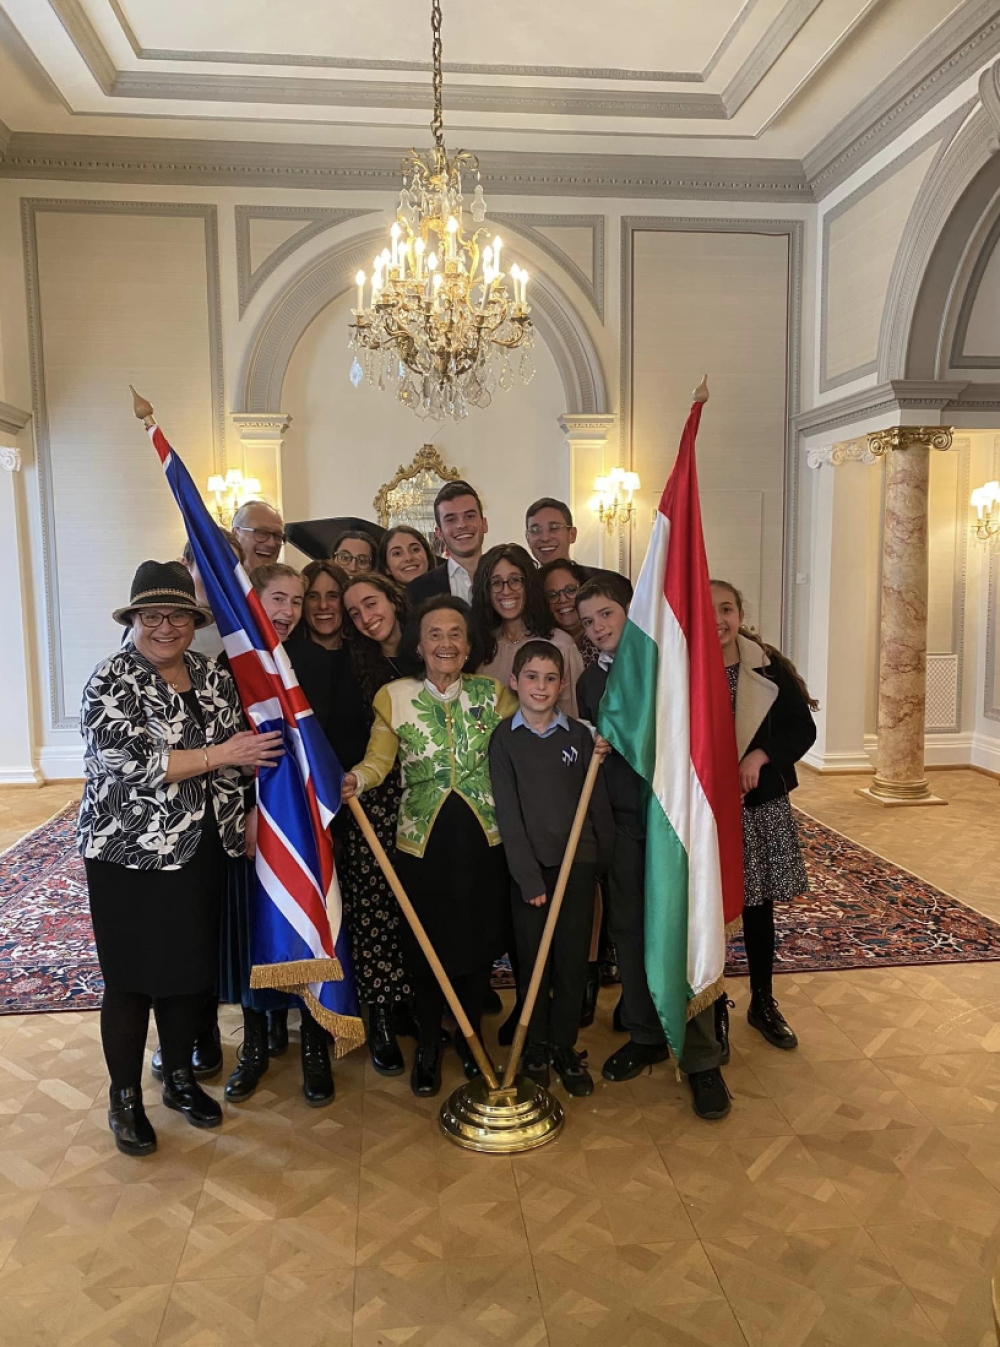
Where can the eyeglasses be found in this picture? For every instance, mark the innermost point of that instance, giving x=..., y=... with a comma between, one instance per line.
x=567, y=592
x=536, y=530
x=350, y=559
x=178, y=618
x=513, y=583
x=264, y=535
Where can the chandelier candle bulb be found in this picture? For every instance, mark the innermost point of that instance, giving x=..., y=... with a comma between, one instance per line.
x=497, y=245
x=359, y=281
x=418, y=253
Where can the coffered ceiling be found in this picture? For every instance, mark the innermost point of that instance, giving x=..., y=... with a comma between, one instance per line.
x=734, y=79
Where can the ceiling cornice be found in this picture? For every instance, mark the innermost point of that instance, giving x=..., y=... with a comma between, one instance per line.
x=898, y=395
x=957, y=47
x=273, y=164
x=5, y=137
x=12, y=419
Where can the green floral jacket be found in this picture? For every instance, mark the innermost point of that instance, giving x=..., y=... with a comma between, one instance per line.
x=442, y=742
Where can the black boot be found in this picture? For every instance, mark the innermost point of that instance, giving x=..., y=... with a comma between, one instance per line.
x=617, y=1022
x=386, y=1056
x=610, y=972
x=722, y=1008
x=317, y=1078
x=507, y=1030
x=709, y=1094
x=765, y=1016
x=277, y=1032
x=593, y=986
x=182, y=1092
x=405, y=1020
x=156, y=1065
x=425, y=1078
x=251, y=1059
x=132, y=1130
x=469, y=1064
x=206, y=1057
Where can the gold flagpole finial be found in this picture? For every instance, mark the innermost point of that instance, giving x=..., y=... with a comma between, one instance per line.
x=142, y=408
x=700, y=394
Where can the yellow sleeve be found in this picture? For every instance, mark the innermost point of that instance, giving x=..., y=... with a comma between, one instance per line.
x=507, y=702
x=383, y=745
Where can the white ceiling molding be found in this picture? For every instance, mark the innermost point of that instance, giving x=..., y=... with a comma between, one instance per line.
x=948, y=397
x=529, y=225
x=316, y=220
x=989, y=94
x=779, y=36
x=5, y=135
x=960, y=358
x=970, y=36
x=12, y=419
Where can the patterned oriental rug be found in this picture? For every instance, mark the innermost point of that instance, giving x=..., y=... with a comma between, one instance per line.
x=861, y=912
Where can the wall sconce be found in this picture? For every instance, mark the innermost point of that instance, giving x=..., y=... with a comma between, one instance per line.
x=986, y=527
x=614, y=497
x=230, y=492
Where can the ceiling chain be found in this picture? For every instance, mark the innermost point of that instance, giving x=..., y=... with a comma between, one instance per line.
x=437, y=121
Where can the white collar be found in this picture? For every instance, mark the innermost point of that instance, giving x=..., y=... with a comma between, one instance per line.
x=449, y=694
x=605, y=659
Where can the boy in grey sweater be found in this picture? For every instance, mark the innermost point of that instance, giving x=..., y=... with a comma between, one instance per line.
x=538, y=762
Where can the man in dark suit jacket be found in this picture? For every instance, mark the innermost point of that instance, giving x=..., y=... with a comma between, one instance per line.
x=462, y=527
x=550, y=531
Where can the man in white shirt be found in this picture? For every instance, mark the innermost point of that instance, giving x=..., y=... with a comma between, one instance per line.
x=462, y=527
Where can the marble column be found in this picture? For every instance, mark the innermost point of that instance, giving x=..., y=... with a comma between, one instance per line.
x=900, y=778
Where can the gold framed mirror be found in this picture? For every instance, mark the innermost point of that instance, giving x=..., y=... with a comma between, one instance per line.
x=409, y=497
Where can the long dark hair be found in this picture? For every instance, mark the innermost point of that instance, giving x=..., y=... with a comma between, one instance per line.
x=773, y=654
x=371, y=668
x=535, y=614
x=382, y=561
x=309, y=573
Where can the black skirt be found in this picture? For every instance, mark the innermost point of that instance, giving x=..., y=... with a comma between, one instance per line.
x=157, y=931
x=460, y=888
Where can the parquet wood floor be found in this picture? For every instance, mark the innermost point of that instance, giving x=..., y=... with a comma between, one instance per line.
x=851, y=1199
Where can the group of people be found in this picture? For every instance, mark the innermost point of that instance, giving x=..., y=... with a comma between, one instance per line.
x=462, y=696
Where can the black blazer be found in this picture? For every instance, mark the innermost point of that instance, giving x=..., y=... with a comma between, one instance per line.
x=428, y=586
x=626, y=788
x=786, y=734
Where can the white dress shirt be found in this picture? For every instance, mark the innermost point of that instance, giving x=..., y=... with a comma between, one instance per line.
x=459, y=580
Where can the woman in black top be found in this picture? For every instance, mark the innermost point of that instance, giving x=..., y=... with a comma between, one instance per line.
x=163, y=806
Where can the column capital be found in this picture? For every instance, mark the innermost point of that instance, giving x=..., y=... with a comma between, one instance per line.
x=844, y=451
x=882, y=442
x=593, y=426
x=10, y=458
x=261, y=425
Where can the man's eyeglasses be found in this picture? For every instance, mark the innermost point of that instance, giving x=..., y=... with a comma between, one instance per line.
x=178, y=618
x=264, y=535
x=347, y=559
x=513, y=583
x=567, y=592
x=537, y=530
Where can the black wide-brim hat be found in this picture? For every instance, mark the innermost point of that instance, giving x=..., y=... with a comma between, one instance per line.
x=315, y=537
x=163, y=584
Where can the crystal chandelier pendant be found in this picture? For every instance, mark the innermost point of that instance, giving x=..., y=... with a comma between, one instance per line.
x=442, y=317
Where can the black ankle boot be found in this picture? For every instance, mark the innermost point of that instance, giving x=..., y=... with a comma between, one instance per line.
x=251, y=1059
x=425, y=1078
x=206, y=1057
x=764, y=1016
x=317, y=1078
x=610, y=972
x=405, y=1020
x=277, y=1032
x=465, y=1055
x=132, y=1130
x=386, y=1056
x=723, y=1006
x=182, y=1092
x=507, y=1030
x=593, y=986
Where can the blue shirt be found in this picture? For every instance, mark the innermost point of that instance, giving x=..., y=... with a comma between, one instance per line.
x=560, y=723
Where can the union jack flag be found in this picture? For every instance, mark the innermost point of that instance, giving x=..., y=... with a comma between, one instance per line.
x=298, y=940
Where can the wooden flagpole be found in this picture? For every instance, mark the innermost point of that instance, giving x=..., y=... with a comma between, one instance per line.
x=510, y=1071
x=423, y=940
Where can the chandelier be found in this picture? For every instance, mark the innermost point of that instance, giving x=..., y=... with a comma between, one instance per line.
x=440, y=323
x=986, y=527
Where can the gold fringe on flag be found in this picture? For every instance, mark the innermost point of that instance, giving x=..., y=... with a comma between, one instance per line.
x=348, y=1030
x=705, y=998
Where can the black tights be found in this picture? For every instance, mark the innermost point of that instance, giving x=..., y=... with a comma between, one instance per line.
x=125, y=1024
x=428, y=1001
x=759, y=943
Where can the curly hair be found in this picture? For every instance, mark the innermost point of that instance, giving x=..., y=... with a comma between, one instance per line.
x=371, y=668
x=382, y=561
x=535, y=614
x=773, y=654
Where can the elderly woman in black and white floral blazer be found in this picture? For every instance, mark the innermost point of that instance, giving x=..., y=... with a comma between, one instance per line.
x=163, y=804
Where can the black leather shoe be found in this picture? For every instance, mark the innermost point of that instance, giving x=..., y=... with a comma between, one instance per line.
x=507, y=1030
x=722, y=1008
x=405, y=1020
x=535, y=1064
x=425, y=1078
x=617, y=1023
x=277, y=1032
x=569, y=1067
x=131, y=1129
x=631, y=1060
x=206, y=1057
x=589, y=1009
x=251, y=1059
x=709, y=1094
x=317, y=1078
x=156, y=1065
x=765, y=1017
x=610, y=972
x=182, y=1092
x=386, y=1056
x=493, y=1004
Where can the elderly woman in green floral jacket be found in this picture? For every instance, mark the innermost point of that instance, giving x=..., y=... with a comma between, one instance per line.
x=448, y=848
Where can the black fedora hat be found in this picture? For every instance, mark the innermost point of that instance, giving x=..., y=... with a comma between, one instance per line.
x=162, y=584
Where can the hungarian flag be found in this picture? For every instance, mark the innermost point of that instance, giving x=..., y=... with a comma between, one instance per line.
x=667, y=710
x=299, y=943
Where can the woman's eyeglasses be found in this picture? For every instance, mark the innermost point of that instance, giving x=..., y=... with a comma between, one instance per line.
x=513, y=583
x=567, y=592
x=347, y=559
x=178, y=618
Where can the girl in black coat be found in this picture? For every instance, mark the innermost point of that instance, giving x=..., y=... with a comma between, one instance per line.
x=774, y=729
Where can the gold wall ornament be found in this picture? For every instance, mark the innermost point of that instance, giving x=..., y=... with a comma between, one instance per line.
x=881, y=442
x=409, y=497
